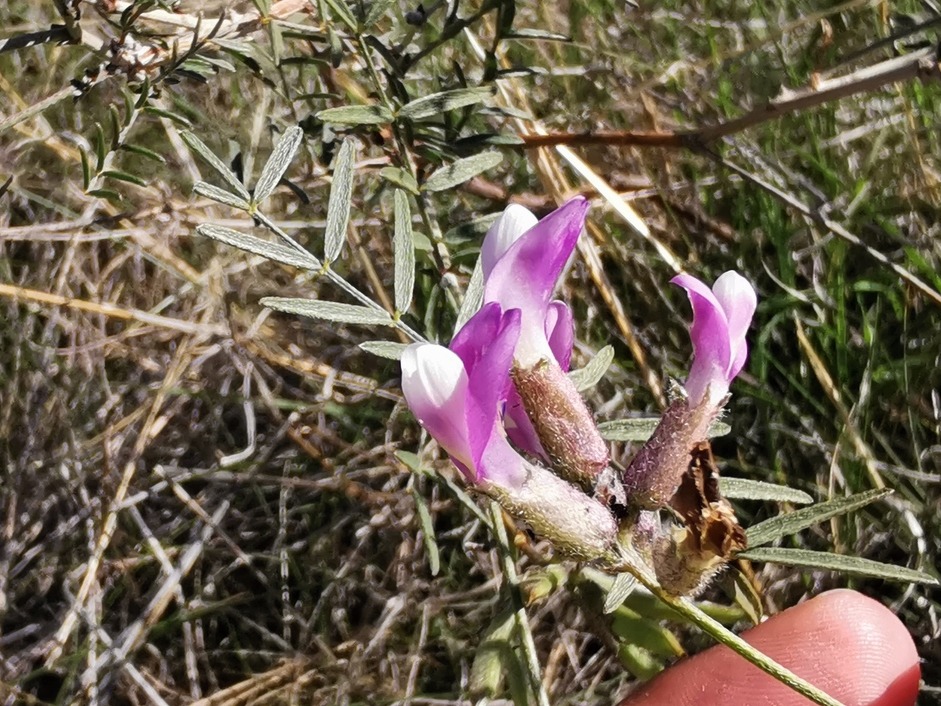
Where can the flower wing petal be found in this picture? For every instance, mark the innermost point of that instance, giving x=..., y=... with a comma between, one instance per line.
x=560, y=330
x=435, y=385
x=738, y=299
x=505, y=231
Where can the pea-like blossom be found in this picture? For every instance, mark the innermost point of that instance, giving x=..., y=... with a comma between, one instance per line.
x=721, y=317
x=522, y=260
x=458, y=395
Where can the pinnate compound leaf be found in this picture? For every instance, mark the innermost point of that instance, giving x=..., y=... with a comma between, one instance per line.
x=278, y=162
x=272, y=251
x=221, y=195
x=329, y=311
x=356, y=115
x=854, y=565
x=743, y=489
x=438, y=103
x=341, y=199
x=200, y=148
x=791, y=522
x=404, y=248
x=589, y=376
x=384, y=349
x=642, y=428
x=462, y=170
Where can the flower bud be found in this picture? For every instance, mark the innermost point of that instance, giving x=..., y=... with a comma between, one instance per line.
x=577, y=525
x=562, y=422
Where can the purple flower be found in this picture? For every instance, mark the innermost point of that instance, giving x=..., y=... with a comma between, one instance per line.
x=457, y=394
x=522, y=260
x=721, y=317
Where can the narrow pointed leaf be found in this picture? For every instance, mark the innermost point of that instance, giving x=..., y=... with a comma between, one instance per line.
x=124, y=176
x=200, y=148
x=462, y=170
x=329, y=311
x=621, y=588
x=854, y=565
x=341, y=197
x=742, y=489
x=642, y=428
x=646, y=633
x=589, y=376
x=404, y=247
x=473, y=297
x=384, y=349
x=356, y=115
x=144, y=152
x=278, y=162
x=792, y=522
x=428, y=533
x=375, y=12
x=400, y=177
x=438, y=103
x=273, y=251
x=221, y=195
x=342, y=12
x=86, y=170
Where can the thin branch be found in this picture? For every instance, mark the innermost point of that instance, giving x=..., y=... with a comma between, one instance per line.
x=923, y=65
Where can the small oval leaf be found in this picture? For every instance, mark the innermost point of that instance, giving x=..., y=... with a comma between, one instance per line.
x=854, y=565
x=473, y=297
x=792, y=522
x=356, y=115
x=428, y=533
x=384, y=349
x=743, y=489
x=277, y=163
x=273, y=251
x=341, y=199
x=221, y=195
x=400, y=177
x=404, y=253
x=124, y=176
x=329, y=311
x=200, y=148
x=462, y=170
x=589, y=376
x=438, y=103
x=642, y=428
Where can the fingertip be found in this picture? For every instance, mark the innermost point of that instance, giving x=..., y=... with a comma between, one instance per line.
x=851, y=646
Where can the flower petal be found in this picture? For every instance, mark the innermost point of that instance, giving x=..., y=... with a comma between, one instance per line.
x=709, y=333
x=506, y=230
x=738, y=299
x=525, y=277
x=560, y=330
x=435, y=384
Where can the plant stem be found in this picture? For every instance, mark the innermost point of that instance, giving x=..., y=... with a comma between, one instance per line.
x=522, y=620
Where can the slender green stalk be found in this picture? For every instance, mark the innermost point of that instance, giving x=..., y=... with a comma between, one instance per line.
x=720, y=634
x=522, y=620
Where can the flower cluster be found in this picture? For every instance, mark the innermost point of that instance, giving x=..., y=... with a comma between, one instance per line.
x=499, y=401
